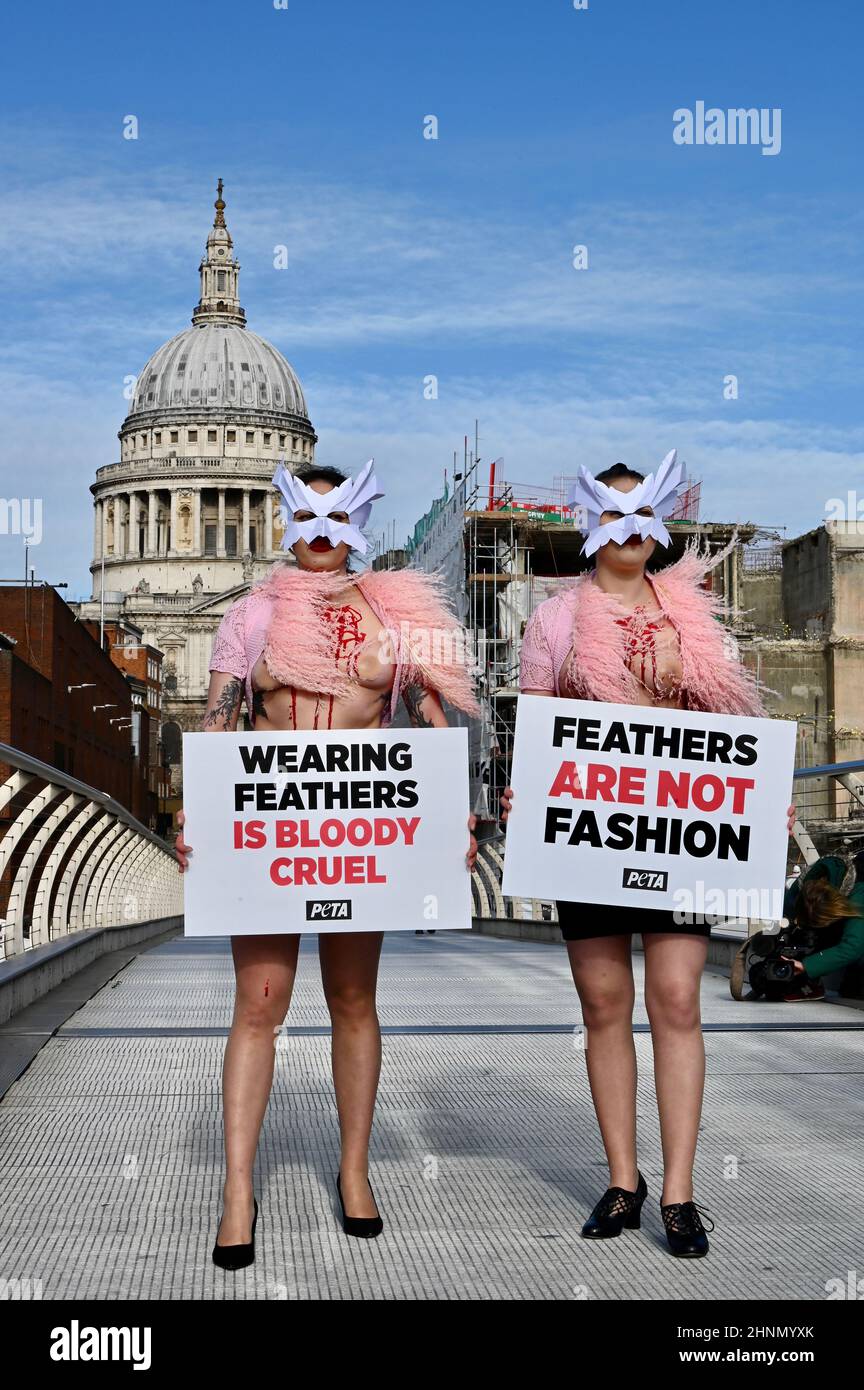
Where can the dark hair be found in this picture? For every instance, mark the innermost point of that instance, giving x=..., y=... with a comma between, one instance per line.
x=619, y=470
x=819, y=904
x=319, y=472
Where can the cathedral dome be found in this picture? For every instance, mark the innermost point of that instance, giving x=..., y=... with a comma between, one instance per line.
x=219, y=366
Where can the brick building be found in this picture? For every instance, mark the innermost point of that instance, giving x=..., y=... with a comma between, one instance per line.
x=62, y=698
x=141, y=663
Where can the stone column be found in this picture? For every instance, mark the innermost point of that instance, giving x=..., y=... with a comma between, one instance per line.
x=117, y=527
x=196, y=522
x=244, y=537
x=132, y=537
x=97, y=529
x=172, y=549
x=268, y=524
x=152, y=512
x=119, y=539
x=220, y=525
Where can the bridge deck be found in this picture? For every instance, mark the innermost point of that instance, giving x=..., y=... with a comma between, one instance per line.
x=486, y=1156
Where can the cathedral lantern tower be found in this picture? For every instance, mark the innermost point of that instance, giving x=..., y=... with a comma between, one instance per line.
x=220, y=275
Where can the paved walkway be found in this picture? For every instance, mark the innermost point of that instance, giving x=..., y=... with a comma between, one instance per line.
x=486, y=1156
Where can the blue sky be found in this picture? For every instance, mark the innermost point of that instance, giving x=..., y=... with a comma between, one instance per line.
x=410, y=257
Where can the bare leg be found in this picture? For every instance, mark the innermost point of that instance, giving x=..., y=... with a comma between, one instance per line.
x=349, y=973
x=674, y=962
x=602, y=969
x=265, y=967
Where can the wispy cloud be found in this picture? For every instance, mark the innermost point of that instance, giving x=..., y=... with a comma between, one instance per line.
x=384, y=287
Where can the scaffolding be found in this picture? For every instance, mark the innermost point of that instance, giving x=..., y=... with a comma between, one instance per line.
x=482, y=536
x=503, y=547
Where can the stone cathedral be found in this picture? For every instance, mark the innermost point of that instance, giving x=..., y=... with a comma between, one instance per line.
x=188, y=518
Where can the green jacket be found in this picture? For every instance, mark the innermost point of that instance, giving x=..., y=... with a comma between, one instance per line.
x=850, y=947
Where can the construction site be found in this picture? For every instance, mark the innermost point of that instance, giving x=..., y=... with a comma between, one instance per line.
x=795, y=606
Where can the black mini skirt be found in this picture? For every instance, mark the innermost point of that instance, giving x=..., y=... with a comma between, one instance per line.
x=580, y=921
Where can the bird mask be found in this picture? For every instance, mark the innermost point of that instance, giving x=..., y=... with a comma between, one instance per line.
x=657, y=491
x=355, y=496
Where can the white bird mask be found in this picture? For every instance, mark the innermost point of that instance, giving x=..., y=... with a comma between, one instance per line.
x=656, y=491
x=355, y=496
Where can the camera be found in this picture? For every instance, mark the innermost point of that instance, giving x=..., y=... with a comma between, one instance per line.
x=772, y=953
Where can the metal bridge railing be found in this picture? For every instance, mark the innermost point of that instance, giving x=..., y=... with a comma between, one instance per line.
x=71, y=857
x=834, y=805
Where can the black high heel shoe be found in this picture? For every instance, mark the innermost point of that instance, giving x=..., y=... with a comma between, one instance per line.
x=365, y=1227
x=616, y=1211
x=236, y=1256
x=684, y=1230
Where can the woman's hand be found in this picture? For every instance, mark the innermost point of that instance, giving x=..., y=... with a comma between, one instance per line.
x=797, y=965
x=181, y=849
x=791, y=817
x=506, y=802
x=471, y=856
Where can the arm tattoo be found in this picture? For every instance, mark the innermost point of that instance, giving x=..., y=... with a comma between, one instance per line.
x=258, y=709
x=414, y=695
x=226, y=706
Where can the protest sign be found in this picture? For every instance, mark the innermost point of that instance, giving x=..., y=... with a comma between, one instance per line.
x=326, y=831
x=656, y=808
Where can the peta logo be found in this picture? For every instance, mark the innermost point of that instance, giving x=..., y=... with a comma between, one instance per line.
x=329, y=910
x=655, y=879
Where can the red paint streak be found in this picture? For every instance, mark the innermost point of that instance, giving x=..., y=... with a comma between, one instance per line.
x=293, y=708
x=641, y=645
x=346, y=634
x=330, y=714
x=266, y=988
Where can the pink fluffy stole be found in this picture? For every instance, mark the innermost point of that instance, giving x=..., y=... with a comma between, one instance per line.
x=711, y=680
x=427, y=641
x=297, y=645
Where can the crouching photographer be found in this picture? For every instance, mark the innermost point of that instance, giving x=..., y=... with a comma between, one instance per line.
x=823, y=932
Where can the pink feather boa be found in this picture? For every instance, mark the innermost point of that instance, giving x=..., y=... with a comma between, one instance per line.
x=428, y=644
x=711, y=681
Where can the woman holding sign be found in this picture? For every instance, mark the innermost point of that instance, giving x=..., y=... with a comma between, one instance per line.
x=317, y=647
x=627, y=637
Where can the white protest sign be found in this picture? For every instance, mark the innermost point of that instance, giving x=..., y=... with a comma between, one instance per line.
x=656, y=808
x=334, y=831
